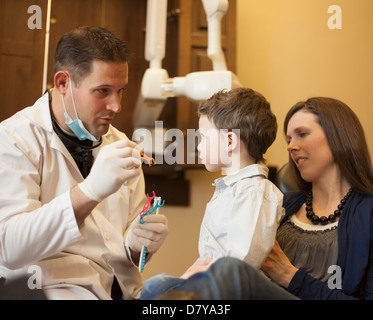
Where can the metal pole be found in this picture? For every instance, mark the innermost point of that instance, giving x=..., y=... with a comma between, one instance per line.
x=46, y=50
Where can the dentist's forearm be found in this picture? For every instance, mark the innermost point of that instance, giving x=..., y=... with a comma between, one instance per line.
x=82, y=205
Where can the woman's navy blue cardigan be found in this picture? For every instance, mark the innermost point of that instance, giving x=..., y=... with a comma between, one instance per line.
x=355, y=251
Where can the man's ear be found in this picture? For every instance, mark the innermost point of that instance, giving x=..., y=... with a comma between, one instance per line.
x=61, y=82
x=232, y=142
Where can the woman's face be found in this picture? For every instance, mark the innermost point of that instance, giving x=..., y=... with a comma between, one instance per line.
x=308, y=147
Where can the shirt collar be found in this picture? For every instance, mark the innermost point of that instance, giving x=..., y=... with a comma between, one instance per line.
x=246, y=172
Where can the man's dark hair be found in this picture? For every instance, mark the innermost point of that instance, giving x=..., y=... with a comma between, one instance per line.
x=78, y=48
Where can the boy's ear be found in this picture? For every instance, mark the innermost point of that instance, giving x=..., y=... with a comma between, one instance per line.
x=233, y=142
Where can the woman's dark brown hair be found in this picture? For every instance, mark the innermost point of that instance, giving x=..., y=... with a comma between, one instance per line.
x=346, y=139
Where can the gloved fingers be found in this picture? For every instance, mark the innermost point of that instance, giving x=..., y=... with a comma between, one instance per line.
x=130, y=163
x=124, y=144
x=152, y=233
x=127, y=153
x=147, y=236
x=131, y=173
x=156, y=224
x=154, y=218
x=123, y=149
x=153, y=246
x=151, y=240
x=136, y=153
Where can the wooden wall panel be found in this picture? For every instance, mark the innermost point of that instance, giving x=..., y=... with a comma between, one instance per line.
x=21, y=54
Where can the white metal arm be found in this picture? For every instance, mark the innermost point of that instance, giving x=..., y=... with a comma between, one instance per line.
x=151, y=99
x=215, y=11
x=156, y=85
x=156, y=27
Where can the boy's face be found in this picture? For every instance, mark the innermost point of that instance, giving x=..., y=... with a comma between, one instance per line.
x=212, y=149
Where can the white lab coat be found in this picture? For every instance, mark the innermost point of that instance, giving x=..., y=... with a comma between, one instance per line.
x=37, y=223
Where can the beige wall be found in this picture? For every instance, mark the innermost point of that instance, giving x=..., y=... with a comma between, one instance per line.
x=287, y=52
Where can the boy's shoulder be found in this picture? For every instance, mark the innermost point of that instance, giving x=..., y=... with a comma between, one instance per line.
x=255, y=181
x=248, y=174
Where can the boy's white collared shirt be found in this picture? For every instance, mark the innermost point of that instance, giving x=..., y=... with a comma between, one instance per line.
x=242, y=217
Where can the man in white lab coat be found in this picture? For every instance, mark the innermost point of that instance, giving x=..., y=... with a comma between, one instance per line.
x=71, y=185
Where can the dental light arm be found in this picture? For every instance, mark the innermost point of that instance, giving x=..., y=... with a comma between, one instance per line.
x=155, y=40
x=156, y=85
x=202, y=85
x=151, y=100
x=215, y=11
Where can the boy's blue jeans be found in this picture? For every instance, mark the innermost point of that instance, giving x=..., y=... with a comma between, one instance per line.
x=226, y=279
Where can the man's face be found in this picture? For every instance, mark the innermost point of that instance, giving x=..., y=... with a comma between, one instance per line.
x=98, y=96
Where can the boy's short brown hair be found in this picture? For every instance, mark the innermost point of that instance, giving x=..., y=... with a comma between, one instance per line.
x=245, y=110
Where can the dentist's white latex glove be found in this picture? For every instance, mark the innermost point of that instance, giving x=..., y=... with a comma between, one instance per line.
x=115, y=163
x=151, y=234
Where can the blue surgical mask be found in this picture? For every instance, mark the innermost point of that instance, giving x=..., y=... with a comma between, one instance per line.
x=76, y=126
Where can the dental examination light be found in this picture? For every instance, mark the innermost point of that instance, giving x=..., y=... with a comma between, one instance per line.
x=157, y=87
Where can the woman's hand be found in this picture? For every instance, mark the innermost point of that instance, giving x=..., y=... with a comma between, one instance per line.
x=199, y=266
x=278, y=267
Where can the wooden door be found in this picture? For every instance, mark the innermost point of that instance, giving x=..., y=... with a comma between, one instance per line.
x=21, y=56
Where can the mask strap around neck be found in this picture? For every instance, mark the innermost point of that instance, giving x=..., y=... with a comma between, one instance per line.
x=63, y=102
x=72, y=97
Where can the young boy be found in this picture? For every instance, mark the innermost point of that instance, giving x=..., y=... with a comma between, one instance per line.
x=236, y=127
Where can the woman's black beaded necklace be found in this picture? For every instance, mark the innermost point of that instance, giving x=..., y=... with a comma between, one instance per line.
x=324, y=220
